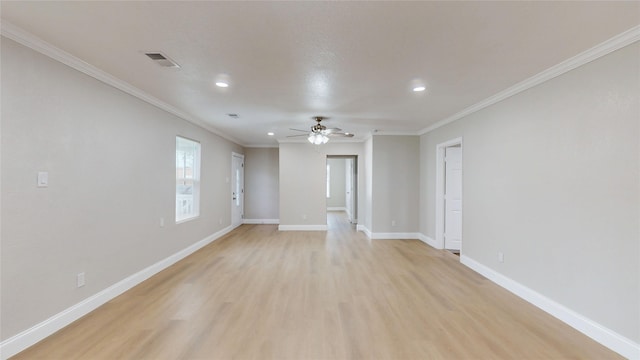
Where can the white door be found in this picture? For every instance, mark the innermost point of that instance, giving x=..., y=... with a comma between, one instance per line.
x=237, y=189
x=453, y=198
x=349, y=189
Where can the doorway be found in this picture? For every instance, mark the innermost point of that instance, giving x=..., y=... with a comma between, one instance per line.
x=342, y=188
x=237, y=189
x=449, y=195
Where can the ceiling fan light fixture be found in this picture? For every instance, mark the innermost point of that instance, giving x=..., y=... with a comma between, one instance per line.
x=318, y=139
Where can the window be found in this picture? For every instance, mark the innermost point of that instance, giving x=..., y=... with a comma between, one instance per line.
x=328, y=181
x=187, y=179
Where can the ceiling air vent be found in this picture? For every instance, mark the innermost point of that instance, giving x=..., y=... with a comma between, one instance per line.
x=161, y=59
x=234, y=116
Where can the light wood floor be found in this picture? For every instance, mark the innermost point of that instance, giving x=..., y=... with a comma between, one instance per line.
x=262, y=294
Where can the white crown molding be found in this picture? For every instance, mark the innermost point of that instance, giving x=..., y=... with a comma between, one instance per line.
x=615, y=43
x=395, y=133
x=29, y=337
x=261, y=146
x=35, y=43
x=592, y=329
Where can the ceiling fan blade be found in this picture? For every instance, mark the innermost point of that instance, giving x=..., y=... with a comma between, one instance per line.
x=298, y=135
x=306, y=131
x=331, y=130
x=341, y=134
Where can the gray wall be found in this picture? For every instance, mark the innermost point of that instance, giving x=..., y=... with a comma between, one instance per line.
x=261, y=183
x=111, y=164
x=551, y=179
x=303, y=180
x=338, y=183
x=396, y=179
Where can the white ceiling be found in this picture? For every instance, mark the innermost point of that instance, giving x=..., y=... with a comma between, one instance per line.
x=352, y=61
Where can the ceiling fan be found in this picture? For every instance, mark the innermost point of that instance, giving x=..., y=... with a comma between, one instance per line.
x=319, y=133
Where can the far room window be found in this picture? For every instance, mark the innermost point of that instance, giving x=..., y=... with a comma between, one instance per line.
x=187, y=179
x=328, y=181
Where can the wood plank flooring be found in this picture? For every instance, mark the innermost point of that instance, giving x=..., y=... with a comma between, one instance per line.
x=258, y=293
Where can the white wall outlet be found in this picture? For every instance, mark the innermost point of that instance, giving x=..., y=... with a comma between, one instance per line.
x=80, y=279
x=161, y=222
x=393, y=223
x=500, y=257
x=220, y=221
x=304, y=216
x=43, y=179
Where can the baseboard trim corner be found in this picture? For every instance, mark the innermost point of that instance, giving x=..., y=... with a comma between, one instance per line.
x=40, y=331
x=592, y=329
x=427, y=240
x=364, y=229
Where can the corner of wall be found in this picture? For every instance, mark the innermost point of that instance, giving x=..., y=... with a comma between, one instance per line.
x=597, y=332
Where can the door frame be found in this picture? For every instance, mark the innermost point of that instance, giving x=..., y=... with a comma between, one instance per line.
x=352, y=195
x=440, y=187
x=355, y=179
x=241, y=156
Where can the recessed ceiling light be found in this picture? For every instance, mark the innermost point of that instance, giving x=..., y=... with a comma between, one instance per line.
x=222, y=84
x=270, y=133
x=419, y=88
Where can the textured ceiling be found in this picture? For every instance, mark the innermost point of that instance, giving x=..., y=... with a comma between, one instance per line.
x=352, y=61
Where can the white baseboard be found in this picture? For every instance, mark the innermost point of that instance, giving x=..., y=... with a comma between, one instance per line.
x=29, y=337
x=592, y=329
x=338, y=208
x=364, y=230
x=388, y=236
x=302, y=227
x=261, y=221
x=427, y=240
x=394, y=236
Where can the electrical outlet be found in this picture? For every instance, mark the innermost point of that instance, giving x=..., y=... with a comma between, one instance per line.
x=220, y=221
x=393, y=223
x=500, y=257
x=304, y=216
x=161, y=222
x=80, y=279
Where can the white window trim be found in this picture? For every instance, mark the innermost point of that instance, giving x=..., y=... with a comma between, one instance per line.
x=196, y=184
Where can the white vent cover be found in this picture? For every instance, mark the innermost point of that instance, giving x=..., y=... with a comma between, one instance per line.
x=161, y=59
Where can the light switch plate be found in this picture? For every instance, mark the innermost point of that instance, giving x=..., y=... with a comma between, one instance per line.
x=43, y=179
